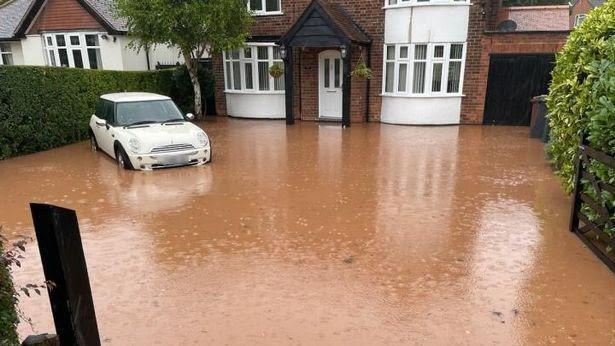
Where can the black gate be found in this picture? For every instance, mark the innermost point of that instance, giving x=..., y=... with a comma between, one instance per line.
x=513, y=80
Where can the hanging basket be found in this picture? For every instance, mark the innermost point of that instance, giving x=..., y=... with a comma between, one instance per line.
x=276, y=70
x=361, y=70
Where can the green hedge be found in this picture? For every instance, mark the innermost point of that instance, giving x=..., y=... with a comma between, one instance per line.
x=582, y=96
x=46, y=107
x=8, y=315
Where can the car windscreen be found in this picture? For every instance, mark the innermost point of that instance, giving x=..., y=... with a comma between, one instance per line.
x=128, y=113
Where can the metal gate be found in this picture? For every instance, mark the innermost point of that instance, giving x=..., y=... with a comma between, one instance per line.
x=513, y=80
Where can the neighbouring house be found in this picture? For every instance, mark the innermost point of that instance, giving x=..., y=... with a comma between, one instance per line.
x=433, y=61
x=579, y=10
x=73, y=33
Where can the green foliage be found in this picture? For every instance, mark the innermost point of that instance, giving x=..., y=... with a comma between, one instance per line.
x=582, y=97
x=276, y=70
x=361, y=70
x=514, y=3
x=8, y=314
x=46, y=107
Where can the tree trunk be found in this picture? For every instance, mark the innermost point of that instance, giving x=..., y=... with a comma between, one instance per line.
x=193, y=65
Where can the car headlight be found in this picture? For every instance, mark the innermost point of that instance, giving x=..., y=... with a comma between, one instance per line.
x=202, y=139
x=134, y=145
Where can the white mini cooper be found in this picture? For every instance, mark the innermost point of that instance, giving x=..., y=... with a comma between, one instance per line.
x=147, y=131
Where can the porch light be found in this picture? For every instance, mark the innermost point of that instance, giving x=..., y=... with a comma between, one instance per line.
x=344, y=51
x=283, y=52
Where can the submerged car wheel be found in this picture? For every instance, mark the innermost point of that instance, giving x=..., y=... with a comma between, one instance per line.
x=123, y=161
x=93, y=143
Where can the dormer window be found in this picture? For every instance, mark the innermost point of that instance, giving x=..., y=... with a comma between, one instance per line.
x=264, y=7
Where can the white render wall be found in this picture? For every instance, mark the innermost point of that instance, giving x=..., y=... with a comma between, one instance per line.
x=420, y=110
x=32, y=50
x=424, y=23
x=256, y=105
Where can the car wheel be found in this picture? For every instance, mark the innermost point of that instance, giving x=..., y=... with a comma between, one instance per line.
x=122, y=159
x=93, y=143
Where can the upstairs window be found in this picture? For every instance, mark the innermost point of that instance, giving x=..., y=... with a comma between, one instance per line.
x=578, y=19
x=423, y=69
x=6, y=55
x=78, y=50
x=247, y=69
x=264, y=7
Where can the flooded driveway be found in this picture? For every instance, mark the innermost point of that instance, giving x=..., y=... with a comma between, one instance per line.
x=309, y=235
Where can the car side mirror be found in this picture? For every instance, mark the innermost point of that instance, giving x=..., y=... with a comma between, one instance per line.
x=101, y=122
x=190, y=116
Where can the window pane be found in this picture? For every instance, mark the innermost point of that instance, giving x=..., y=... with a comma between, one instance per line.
x=436, y=81
x=77, y=58
x=49, y=41
x=94, y=58
x=456, y=51
x=91, y=40
x=276, y=53
x=390, y=52
x=7, y=59
x=74, y=40
x=420, y=52
x=236, y=75
x=390, y=77
x=52, y=58
x=278, y=83
x=249, y=76
x=403, y=75
x=273, y=5
x=454, y=74
x=60, y=40
x=247, y=53
x=337, y=72
x=256, y=5
x=63, y=57
x=327, y=73
x=263, y=53
x=403, y=52
x=418, y=81
x=229, y=75
x=438, y=52
x=235, y=55
x=263, y=76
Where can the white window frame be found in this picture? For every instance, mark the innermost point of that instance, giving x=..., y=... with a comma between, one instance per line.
x=579, y=18
x=52, y=55
x=427, y=90
x=227, y=57
x=264, y=11
x=6, y=52
x=410, y=3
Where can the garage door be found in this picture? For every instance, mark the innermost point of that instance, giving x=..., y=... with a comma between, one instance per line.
x=513, y=81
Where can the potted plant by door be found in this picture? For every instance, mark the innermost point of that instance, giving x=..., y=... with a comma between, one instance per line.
x=361, y=70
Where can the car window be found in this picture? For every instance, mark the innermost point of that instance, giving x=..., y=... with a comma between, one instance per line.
x=147, y=111
x=108, y=111
x=100, y=109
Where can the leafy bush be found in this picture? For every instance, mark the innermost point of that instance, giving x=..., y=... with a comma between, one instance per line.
x=582, y=97
x=8, y=314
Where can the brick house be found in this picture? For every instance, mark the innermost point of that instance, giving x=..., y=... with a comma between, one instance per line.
x=430, y=59
x=579, y=10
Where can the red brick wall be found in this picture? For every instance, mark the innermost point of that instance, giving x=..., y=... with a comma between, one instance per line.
x=581, y=6
x=482, y=42
x=368, y=14
x=63, y=15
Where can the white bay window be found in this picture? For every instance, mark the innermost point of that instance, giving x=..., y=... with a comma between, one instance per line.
x=247, y=69
x=78, y=50
x=423, y=69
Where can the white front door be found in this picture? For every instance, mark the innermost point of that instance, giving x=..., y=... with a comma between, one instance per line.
x=330, y=72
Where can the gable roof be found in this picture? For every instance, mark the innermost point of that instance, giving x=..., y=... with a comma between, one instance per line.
x=323, y=23
x=17, y=15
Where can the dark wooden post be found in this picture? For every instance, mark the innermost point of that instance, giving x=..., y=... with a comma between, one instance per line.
x=576, y=195
x=59, y=243
x=346, y=89
x=288, y=83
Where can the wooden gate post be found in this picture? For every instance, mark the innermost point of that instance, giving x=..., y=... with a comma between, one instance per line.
x=576, y=194
x=59, y=243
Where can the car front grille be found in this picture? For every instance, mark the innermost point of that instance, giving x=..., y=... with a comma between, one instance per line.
x=172, y=148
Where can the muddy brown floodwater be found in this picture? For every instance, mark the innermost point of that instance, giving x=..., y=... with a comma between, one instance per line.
x=309, y=235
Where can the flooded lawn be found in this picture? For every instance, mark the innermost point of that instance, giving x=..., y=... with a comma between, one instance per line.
x=309, y=235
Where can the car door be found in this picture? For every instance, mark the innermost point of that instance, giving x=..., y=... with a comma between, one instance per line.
x=105, y=133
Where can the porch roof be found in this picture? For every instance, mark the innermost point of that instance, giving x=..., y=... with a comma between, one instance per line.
x=324, y=24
